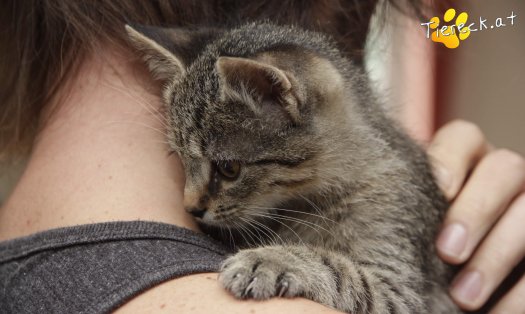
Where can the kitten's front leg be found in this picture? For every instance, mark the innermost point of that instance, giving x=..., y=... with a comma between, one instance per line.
x=284, y=271
x=325, y=277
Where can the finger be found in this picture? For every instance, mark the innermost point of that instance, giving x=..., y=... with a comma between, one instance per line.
x=454, y=150
x=498, y=178
x=513, y=302
x=500, y=252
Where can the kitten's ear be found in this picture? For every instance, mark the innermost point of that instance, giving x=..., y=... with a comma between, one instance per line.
x=162, y=63
x=269, y=88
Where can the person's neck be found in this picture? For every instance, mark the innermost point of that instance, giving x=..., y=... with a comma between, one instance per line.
x=101, y=156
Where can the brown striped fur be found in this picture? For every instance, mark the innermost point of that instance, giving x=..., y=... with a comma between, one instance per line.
x=333, y=201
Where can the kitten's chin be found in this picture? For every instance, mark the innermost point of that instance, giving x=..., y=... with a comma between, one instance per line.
x=209, y=220
x=231, y=237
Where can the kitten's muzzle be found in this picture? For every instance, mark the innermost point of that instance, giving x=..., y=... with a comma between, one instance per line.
x=196, y=204
x=197, y=212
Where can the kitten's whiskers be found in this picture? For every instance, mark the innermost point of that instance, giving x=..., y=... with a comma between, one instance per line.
x=276, y=219
x=272, y=232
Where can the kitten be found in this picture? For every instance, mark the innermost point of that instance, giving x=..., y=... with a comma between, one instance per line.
x=284, y=144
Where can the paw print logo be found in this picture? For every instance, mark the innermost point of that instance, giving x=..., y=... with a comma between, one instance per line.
x=450, y=35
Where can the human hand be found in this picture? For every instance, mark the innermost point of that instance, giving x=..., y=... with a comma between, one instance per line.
x=485, y=225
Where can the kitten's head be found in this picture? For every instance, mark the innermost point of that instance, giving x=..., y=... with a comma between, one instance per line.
x=245, y=126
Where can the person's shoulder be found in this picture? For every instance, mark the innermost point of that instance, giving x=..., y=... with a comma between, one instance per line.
x=201, y=293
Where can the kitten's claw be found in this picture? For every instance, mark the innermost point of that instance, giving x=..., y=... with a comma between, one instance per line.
x=259, y=274
x=283, y=288
x=248, y=291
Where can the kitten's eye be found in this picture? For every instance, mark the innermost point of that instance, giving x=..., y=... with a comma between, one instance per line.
x=229, y=169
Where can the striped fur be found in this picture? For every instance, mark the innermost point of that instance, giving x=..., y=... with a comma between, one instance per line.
x=333, y=201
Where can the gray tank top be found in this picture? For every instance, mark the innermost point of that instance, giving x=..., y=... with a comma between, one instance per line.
x=96, y=268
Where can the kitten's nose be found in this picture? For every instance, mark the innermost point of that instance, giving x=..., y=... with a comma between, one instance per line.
x=197, y=212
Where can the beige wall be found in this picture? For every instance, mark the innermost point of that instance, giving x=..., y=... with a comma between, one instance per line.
x=486, y=75
x=483, y=80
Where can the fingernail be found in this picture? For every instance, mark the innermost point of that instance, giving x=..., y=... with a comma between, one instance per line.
x=467, y=288
x=452, y=240
x=443, y=177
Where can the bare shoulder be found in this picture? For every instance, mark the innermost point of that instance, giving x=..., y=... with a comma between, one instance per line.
x=201, y=293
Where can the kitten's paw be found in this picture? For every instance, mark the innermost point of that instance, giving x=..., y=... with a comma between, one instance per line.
x=261, y=274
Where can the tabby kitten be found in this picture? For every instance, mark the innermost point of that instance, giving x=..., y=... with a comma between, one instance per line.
x=284, y=144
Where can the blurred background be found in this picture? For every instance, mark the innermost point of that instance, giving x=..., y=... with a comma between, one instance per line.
x=482, y=80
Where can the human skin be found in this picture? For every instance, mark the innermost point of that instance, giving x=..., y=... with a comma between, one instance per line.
x=484, y=226
x=100, y=155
